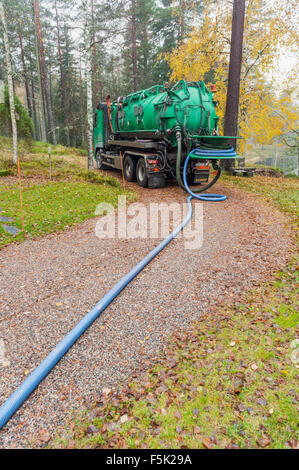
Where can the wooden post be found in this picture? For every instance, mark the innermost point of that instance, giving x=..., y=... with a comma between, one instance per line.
x=50, y=162
x=21, y=195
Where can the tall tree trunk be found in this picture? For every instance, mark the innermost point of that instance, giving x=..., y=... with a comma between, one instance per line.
x=10, y=85
x=233, y=88
x=62, y=80
x=49, y=74
x=134, y=45
x=82, y=107
x=95, y=65
x=40, y=99
x=37, y=131
x=40, y=95
x=2, y=88
x=37, y=134
x=88, y=62
x=34, y=112
x=44, y=72
x=182, y=21
x=29, y=104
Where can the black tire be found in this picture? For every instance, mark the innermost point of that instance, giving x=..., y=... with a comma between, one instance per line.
x=141, y=173
x=129, y=168
x=99, y=160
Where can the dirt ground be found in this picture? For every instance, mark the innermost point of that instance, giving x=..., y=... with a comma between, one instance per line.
x=48, y=285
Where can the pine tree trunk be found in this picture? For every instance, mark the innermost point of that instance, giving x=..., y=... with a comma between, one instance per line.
x=182, y=22
x=134, y=46
x=40, y=101
x=36, y=133
x=88, y=62
x=10, y=85
x=44, y=72
x=62, y=79
x=233, y=88
x=29, y=104
x=82, y=106
x=2, y=88
x=95, y=65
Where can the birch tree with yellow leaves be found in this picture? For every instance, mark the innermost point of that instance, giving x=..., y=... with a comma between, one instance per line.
x=267, y=108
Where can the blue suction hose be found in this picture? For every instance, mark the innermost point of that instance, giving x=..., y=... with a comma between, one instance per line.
x=200, y=197
x=13, y=403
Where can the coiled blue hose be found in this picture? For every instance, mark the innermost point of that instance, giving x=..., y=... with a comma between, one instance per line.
x=202, y=152
x=200, y=197
x=13, y=403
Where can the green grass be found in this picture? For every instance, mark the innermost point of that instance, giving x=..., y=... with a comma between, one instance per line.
x=54, y=206
x=51, y=205
x=281, y=192
x=42, y=148
x=6, y=172
x=230, y=381
x=35, y=147
x=66, y=163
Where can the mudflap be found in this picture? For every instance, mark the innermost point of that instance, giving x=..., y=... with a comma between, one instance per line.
x=156, y=181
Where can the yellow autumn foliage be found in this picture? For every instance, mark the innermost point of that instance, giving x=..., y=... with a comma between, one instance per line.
x=267, y=105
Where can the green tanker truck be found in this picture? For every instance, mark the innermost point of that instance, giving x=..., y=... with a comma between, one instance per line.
x=148, y=135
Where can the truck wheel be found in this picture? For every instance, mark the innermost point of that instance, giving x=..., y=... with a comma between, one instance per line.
x=141, y=173
x=130, y=168
x=99, y=160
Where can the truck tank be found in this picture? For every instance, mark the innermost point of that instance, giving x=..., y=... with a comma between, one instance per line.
x=161, y=110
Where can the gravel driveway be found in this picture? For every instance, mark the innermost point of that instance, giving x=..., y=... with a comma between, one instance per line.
x=49, y=284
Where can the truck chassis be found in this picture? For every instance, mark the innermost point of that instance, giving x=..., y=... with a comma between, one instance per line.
x=148, y=162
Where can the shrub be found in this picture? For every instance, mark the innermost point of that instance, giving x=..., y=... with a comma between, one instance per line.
x=24, y=122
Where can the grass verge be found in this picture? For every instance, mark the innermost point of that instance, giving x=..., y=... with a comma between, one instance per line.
x=229, y=382
x=50, y=205
x=283, y=193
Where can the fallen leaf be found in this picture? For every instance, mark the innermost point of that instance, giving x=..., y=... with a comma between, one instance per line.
x=262, y=401
x=263, y=442
x=44, y=436
x=206, y=443
x=92, y=430
x=124, y=419
x=293, y=443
